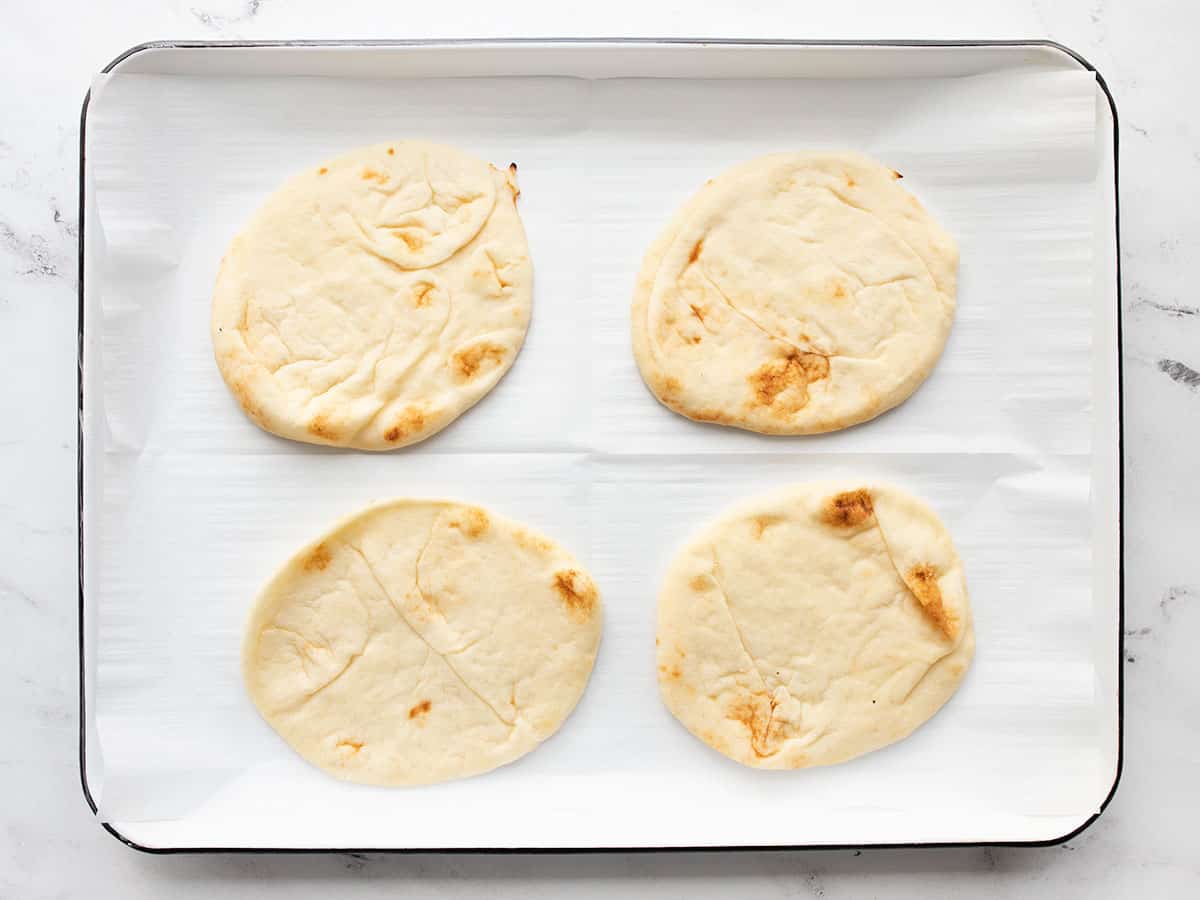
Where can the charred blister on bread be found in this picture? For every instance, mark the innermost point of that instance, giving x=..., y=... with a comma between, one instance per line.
x=922, y=580
x=479, y=357
x=576, y=591
x=782, y=384
x=318, y=559
x=849, y=509
x=473, y=522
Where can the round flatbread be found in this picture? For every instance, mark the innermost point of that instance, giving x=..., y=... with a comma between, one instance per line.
x=374, y=298
x=813, y=625
x=795, y=293
x=421, y=641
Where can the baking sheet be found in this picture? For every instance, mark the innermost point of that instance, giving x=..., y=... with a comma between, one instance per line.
x=194, y=507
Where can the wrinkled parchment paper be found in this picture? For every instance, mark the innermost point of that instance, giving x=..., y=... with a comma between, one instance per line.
x=196, y=507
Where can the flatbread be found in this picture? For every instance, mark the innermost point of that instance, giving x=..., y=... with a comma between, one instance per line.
x=375, y=297
x=814, y=624
x=796, y=293
x=420, y=641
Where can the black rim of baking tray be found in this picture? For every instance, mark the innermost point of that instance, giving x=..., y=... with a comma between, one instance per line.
x=748, y=42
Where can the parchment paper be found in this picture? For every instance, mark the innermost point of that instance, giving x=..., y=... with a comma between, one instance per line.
x=197, y=506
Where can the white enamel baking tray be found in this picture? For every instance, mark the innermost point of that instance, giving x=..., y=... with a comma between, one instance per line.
x=172, y=757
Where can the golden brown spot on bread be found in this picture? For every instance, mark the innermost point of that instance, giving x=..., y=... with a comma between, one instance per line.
x=711, y=415
x=757, y=713
x=850, y=182
x=697, y=311
x=411, y=421
x=695, y=254
x=321, y=428
x=761, y=524
x=922, y=581
x=431, y=601
x=391, y=151
x=411, y=241
x=576, y=590
x=789, y=375
x=352, y=746
x=322, y=170
x=369, y=174
x=318, y=559
x=699, y=583
x=468, y=362
x=473, y=524
x=896, y=174
x=420, y=709
x=672, y=671
x=839, y=290
x=532, y=542
x=421, y=291
x=849, y=508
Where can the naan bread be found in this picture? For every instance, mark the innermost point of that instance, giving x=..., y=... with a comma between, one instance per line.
x=374, y=298
x=795, y=293
x=813, y=625
x=421, y=641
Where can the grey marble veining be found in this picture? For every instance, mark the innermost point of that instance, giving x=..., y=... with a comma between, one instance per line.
x=1144, y=845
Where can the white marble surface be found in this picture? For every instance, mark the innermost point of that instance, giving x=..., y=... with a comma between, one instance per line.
x=1144, y=845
